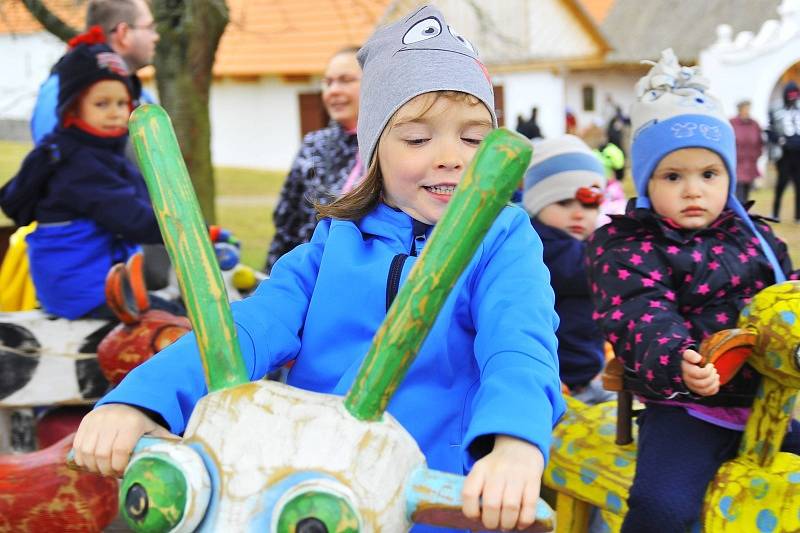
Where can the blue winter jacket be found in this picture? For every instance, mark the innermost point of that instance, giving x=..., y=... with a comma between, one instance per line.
x=488, y=366
x=92, y=209
x=44, y=118
x=580, y=341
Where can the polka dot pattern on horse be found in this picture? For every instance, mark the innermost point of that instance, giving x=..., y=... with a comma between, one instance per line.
x=766, y=521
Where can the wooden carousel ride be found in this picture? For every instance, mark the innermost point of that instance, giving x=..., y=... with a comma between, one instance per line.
x=52, y=370
x=61, y=367
x=593, y=458
x=266, y=456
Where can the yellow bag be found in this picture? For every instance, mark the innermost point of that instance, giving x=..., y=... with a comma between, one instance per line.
x=17, y=292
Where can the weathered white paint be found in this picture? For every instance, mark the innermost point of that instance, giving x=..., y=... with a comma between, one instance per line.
x=54, y=381
x=525, y=90
x=255, y=124
x=259, y=433
x=25, y=62
x=748, y=65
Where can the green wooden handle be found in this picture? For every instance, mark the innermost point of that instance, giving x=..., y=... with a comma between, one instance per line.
x=486, y=187
x=186, y=238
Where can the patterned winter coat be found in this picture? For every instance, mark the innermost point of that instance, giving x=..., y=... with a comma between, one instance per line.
x=660, y=290
x=321, y=167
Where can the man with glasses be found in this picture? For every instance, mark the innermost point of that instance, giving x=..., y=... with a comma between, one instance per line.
x=130, y=30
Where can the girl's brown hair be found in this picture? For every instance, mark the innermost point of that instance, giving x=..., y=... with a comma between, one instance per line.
x=357, y=203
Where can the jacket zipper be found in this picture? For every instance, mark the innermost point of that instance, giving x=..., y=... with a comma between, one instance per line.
x=398, y=261
x=393, y=282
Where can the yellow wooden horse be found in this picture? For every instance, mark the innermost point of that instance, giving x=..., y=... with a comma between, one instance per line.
x=759, y=490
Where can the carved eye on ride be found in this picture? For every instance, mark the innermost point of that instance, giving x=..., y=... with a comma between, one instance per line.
x=317, y=509
x=423, y=30
x=165, y=488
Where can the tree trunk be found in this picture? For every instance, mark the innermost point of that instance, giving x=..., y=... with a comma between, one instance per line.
x=190, y=31
x=49, y=20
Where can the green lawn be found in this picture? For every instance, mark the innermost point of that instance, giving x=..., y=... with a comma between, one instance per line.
x=245, y=200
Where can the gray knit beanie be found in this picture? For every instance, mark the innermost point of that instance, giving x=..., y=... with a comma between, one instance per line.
x=416, y=55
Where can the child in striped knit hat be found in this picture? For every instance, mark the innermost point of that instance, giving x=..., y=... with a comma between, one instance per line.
x=563, y=191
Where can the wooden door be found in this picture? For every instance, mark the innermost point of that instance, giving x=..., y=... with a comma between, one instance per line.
x=312, y=113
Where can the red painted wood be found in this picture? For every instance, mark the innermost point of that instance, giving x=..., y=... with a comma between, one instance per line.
x=128, y=346
x=39, y=493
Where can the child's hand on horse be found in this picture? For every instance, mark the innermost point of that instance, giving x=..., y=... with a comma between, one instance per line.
x=107, y=435
x=503, y=487
x=701, y=380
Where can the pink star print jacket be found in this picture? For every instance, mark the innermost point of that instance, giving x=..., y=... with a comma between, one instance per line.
x=659, y=290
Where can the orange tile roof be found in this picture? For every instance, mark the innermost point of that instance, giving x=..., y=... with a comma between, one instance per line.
x=16, y=19
x=598, y=9
x=263, y=37
x=292, y=36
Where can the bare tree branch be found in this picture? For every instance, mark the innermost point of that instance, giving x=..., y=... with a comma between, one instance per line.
x=50, y=20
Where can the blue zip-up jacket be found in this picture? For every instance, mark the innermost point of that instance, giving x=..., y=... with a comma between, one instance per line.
x=92, y=209
x=489, y=365
x=580, y=341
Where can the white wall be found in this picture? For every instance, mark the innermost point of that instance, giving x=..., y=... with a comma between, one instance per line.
x=616, y=85
x=750, y=70
x=542, y=89
x=255, y=124
x=25, y=62
x=555, y=32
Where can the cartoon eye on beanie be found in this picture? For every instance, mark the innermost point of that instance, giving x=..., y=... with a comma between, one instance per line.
x=416, y=55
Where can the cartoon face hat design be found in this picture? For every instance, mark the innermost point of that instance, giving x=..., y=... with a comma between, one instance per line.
x=416, y=55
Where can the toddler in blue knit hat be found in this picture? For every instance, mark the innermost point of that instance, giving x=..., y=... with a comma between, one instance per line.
x=563, y=192
x=678, y=266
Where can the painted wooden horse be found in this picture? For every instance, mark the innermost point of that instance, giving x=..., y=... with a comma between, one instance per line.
x=37, y=490
x=51, y=361
x=759, y=490
x=269, y=457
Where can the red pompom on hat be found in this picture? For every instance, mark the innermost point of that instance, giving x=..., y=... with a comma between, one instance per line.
x=93, y=35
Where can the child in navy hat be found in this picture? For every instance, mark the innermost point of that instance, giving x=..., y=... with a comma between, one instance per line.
x=678, y=266
x=89, y=200
x=563, y=192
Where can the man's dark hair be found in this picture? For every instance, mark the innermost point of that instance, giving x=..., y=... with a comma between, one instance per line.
x=108, y=14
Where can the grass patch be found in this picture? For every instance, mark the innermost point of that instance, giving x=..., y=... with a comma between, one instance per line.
x=11, y=156
x=248, y=182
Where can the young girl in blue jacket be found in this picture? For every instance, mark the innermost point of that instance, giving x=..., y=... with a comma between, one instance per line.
x=483, y=394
